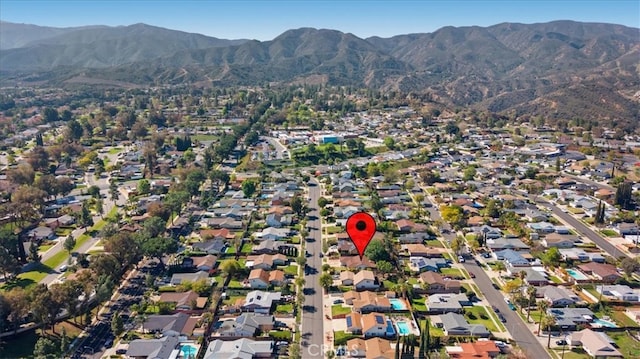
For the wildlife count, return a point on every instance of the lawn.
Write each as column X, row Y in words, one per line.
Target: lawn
column 57, row 259
column 609, row 233
column 44, row 248
column 114, row 150
column 452, row 272
column 479, row 312
column 291, row 269
column 434, row 243
column 235, row 284
column 338, row 309
column 418, row 304
column 341, row 337
column 575, row 353
column 477, row 290
column 622, row 319
column 284, row 308
column 246, row 248
column 433, row 331
column 334, row 229
column 204, row 137
column 280, row 335
column 555, row 279
column 628, row 346
column 493, row 315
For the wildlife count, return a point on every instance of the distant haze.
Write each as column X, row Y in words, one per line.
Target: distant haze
column 264, row 20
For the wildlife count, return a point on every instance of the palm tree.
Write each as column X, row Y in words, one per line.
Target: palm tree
column 549, row 321
column 531, row 296
column 500, row 267
column 542, row 306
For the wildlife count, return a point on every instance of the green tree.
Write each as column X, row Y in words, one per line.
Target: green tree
column 64, row 341
column 552, row 257
column 623, row 196
column 45, row 348
column 326, row 281
column 384, row 267
column 144, row 186
column 452, row 214
column 69, row 243
column 469, row 173
column 629, row 266
column 33, row 252
column 390, row 143
column 377, row 251
column 457, row 244
column 322, row 202
column 248, row 188
column 117, row 324
column 230, row 267
column 297, row 205
column 86, row 220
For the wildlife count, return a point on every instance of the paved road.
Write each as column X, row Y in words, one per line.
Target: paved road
column 281, row 150
column 108, row 204
column 312, row 320
column 516, row 327
column 589, row 182
column 583, row 230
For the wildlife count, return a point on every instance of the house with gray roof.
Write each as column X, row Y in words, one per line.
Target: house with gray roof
column 445, row 303
column 162, row 348
column 511, row 257
column 455, row 324
column 506, row 243
column 557, row 296
column 619, row 292
column 214, row 246
column 246, row 325
column 260, row 302
column 178, row 278
column 568, row 319
column 240, row 349
column 178, row 324
column 421, row 264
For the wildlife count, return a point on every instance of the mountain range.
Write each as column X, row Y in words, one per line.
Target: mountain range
column 560, row 69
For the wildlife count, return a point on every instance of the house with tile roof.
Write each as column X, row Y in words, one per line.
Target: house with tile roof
column 372, row 348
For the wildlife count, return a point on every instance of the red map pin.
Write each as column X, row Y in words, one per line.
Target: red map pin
column 361, row 227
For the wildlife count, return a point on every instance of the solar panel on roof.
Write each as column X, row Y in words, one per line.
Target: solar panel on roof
column 349, row 323
column 379, row 319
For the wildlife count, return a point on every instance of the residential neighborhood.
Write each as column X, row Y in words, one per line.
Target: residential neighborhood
column 229, row 240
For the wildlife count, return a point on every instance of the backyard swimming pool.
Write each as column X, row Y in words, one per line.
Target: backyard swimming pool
column 188, row 350
column 390, row 331
column 604, row 323
column 577, row 274
column 397, row 304
column 403, row 328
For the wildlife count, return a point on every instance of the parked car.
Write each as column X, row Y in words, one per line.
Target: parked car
column 561, row 342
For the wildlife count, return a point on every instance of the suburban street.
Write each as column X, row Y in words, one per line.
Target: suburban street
column 583, row 230
column 516, row 327
column 312, row 315
column 108, row 204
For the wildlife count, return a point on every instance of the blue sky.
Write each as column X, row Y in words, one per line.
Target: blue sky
column 264, row 20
